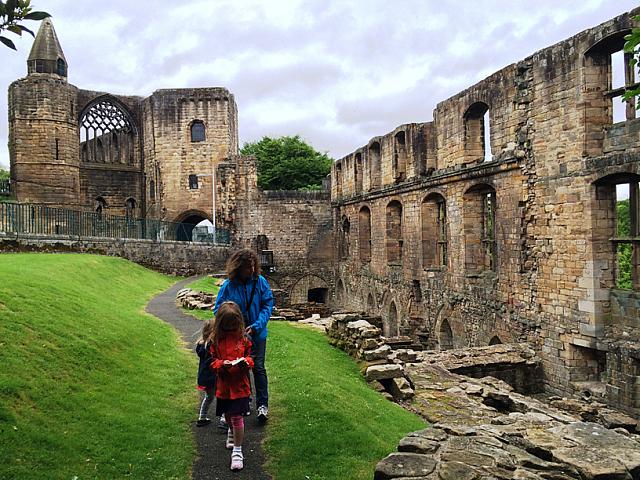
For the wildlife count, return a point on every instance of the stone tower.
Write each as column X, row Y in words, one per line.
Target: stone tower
column 43, row 127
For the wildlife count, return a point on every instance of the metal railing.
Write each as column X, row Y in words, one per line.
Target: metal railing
column 5, row 187
column 43, row 220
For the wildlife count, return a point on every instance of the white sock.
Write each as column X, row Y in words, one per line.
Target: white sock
column 237, row 449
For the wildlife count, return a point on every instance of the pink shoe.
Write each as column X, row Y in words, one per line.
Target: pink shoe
column 229, row 443
column 237, row 461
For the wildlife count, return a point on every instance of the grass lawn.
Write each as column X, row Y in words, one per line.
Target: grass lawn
column 205, row 285
column 90, row 385
column 326, row 422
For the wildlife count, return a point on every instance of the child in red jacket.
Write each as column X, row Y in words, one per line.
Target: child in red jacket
column 230, row 351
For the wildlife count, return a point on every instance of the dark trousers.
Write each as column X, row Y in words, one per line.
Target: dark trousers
column 258, row 352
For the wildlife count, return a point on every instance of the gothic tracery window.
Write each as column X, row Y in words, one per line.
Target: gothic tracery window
column 106, row 134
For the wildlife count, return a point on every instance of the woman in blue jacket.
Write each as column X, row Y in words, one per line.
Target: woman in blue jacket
column 250, row 290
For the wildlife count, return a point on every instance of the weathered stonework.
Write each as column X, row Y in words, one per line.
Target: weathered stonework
column 173, row 258
column 460, row 239
column 89, row 150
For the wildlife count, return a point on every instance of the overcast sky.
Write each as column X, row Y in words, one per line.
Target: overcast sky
column 335, row 72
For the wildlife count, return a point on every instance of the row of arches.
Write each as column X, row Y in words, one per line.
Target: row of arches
column 448, row 332
column 368, row 161
column 478, row 225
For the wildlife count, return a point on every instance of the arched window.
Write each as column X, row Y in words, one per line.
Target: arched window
column 106, row 131
column 364, row 235
column 391, row 329
column 371, row 303
column 197, row 131
column 434, row 231
column 479, row 228
column 338, row 179
column 152, row 191
column 61, row 67
column 99, row 205
column 357, row 171
column 399, row 156
column 495, row 340
column 617, row 212
column 445, row 337
column 394, row 232
column 374, row 166
column 343, row 244
column 608, row 71
column 130, row 208
column 477, row 133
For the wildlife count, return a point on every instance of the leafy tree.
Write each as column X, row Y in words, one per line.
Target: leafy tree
column 12, row 14
column 288, row 163
column 4, row 174
column 632, row 46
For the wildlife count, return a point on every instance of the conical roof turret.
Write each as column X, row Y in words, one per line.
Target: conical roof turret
column 46, row 54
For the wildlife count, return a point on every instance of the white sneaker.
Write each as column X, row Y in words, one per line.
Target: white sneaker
column 263, row 413
column 237, row 461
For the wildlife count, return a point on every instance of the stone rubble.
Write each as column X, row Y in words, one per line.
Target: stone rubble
column 483, row 428
column 194, row 300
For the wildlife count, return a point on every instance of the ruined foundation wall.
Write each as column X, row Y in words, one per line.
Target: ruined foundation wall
column 172, row 258
column 555, row 159
column 295, row 226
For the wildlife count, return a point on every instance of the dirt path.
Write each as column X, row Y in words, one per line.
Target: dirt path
column 212, row 461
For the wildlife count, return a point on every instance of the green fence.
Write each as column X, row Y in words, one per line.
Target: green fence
column 5, row 187
column 42, row 220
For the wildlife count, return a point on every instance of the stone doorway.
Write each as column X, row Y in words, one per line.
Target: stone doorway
column 317, row 295
column 185, row 226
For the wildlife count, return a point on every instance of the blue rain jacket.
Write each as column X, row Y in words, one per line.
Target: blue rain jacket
column 260, row 308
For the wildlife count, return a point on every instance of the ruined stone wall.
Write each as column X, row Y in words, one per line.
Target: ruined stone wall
column 171, row 156
column 114, row 180
column 43, row 141
column 296, row 226
column 555, row 159
column 172, row 258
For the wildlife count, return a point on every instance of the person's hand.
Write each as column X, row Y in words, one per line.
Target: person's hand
column 248, row 330
column 226, row 363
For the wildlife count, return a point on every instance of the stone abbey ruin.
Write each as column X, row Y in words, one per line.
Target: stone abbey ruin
column 495, row 223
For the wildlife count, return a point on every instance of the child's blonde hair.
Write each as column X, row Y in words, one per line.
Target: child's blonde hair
column 207, row 331
column 228, row 320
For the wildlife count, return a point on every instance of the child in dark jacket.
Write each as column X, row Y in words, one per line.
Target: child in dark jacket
column 231, row 353
column 206, row 376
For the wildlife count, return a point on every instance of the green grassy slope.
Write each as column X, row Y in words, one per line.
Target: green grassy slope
column 90, row 386
column 326, row 422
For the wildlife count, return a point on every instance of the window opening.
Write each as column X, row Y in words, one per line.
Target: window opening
column 364, row 234
column 197, row 131
column 193, row 182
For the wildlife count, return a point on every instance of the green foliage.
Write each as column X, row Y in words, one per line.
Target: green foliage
column 326, row 422
column 90, row 385
column 623, row 253
column 288, row 163
column 4, row 174
column 632, row 45
column 12, row 14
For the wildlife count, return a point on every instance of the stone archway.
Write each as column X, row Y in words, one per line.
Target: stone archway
column 450, row 329
column 495, row 340
column 371, row 303
column 186, row 222
column 445, row 336
column 309, row 288
column 390, row 326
